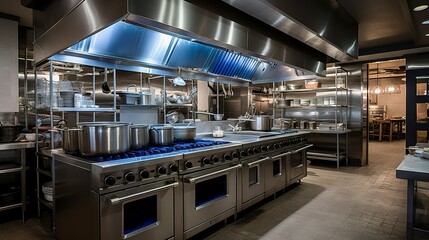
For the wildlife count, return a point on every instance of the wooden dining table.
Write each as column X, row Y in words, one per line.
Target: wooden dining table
column 391, row 125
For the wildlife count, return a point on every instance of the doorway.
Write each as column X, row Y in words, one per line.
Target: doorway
column 387, row 101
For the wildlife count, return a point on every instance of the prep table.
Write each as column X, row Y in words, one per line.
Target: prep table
column 413, row 169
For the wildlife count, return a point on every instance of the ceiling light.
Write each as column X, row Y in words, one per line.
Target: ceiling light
column 425, row 22
column 427, row 34
column 420, row 8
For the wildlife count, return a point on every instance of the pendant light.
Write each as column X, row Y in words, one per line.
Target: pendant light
column 377, row 90
column 392, row 89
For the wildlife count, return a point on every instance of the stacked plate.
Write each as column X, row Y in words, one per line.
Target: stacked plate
column 67, row 97
column 47, row 191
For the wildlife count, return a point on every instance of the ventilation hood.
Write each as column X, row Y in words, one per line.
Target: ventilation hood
column 161, row 36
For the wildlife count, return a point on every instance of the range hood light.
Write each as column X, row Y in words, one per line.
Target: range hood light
column 425, row 22
column 427, row 35
column 420, row 8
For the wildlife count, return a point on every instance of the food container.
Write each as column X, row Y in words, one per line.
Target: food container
column 305, row 102
column 184, row 133
column 282, row 103
column 261, row 123
column 218, row 132
column 9, row 133
column 70, row 139
column 31, row 137
column 129, row 98
column 144, row 98
column 47, row 191
column 103, row 138
column 294, row 86
column 311, row 84
column 303, row 124
column 139, row 136
column 218, row 116
column 282, row 88
column 312, row 125
column 162, row 135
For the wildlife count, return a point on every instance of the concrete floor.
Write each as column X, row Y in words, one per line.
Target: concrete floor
column 350, row 203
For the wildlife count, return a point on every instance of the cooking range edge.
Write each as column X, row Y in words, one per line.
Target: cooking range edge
column 184, row 189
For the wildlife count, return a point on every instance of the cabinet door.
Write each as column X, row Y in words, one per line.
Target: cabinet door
column 9, row 91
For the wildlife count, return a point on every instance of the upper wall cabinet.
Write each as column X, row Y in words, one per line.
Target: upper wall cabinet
column 9, row 87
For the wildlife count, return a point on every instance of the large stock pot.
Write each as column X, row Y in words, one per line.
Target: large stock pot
column 261, row 123
column 103, row 138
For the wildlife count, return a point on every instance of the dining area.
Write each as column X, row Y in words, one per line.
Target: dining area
column 387, row 129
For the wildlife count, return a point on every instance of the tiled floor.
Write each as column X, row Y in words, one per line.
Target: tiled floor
column 350, row 203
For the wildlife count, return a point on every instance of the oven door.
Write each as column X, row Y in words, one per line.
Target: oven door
column 207, row 194
column 143, row 212
column 275, row 177
column 297, row 163
column 253, row 180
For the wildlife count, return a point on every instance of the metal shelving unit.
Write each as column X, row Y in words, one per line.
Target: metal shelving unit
column 332, row 113
column 17, row 168
column 50, row 174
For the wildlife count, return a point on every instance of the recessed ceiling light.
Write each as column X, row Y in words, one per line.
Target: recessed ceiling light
column 420, row 8
column 425, row 22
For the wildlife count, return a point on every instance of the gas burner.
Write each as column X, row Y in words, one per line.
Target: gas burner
column 154, row 150
column 286, row 131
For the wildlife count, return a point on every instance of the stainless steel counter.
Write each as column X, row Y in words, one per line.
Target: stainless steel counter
column 16, row 145
column 414, row 169
column 248, row 136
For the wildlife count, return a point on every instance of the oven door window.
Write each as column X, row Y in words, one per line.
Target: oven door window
column 253, row 175
column 277, row 168
column 296, row 159
column 140, row 214
column 210, row 190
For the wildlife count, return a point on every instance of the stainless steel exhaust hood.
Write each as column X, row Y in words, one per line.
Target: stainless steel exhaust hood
column 160, row 36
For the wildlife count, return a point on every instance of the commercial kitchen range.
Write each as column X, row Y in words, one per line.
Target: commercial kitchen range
column 177, row 191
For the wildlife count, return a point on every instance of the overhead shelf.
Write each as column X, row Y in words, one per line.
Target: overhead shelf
column 324, row 89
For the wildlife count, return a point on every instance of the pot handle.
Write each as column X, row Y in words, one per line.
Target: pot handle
column 151, row 127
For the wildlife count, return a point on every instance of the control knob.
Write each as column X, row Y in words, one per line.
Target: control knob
column 256, row 150
column 243, row 153
column 264, row 149
column 275, row 145
column 269, row 147
column 173, row 167
column 206, row 161
column 215, row 159
column 144, row 173
column 234, row 155
column 250, row 151
column 110, row 180
column 161, row 170
column 227, row 157
column 188, row 164
column 129, row 177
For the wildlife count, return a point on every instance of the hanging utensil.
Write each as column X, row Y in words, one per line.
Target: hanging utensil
column 178, row 81
column 105, row 86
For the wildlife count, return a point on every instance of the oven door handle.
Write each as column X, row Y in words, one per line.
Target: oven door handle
column 193, row 179
column 116, row 200
column 256, row 162
column 282, row 155
column 300, row 149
